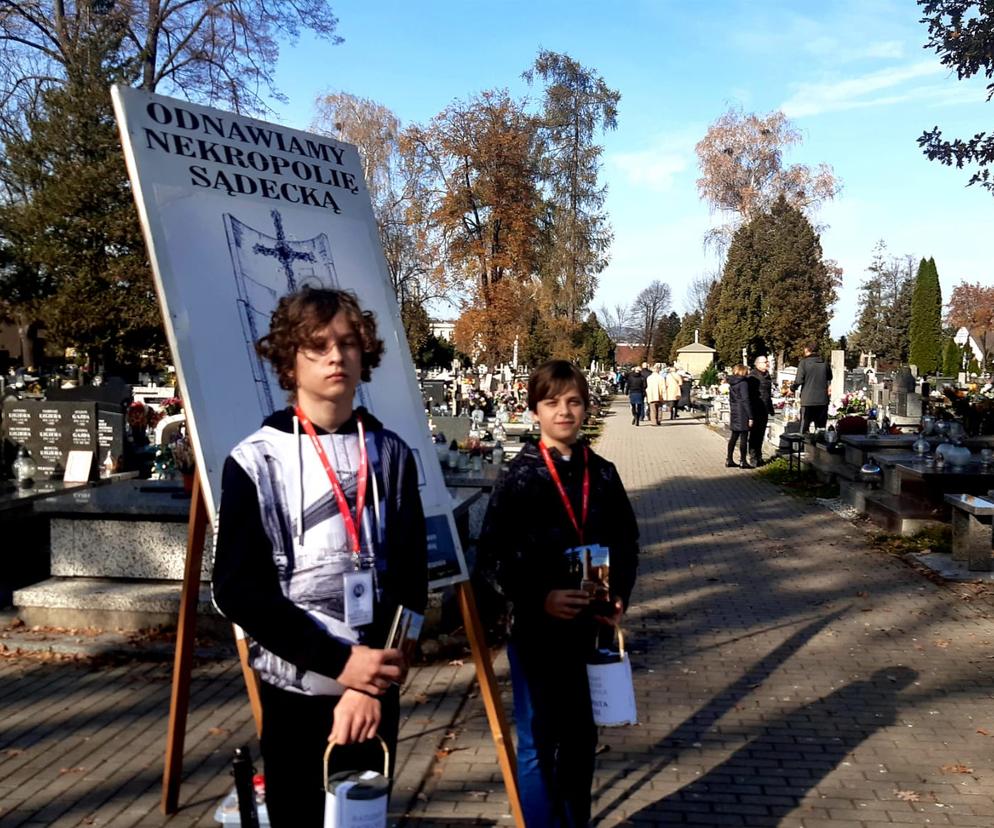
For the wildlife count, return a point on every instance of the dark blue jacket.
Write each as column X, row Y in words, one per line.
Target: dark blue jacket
column 738, row 403
column 526, row 532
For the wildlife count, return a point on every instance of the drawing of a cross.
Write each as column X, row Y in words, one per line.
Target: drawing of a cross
column 282, row 251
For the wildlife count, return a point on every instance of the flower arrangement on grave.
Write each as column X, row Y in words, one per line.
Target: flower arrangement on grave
column 137, row 416
column 853, row 402
column 174, row 457
column 172, row 406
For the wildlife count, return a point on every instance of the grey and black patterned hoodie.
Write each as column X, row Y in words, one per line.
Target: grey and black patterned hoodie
column 282, row 547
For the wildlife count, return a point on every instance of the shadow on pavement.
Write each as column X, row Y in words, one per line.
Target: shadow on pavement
column 792, row 755
column 693, row 728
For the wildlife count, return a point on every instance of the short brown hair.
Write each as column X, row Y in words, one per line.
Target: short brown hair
column 740, row 370
column 301, row 316
column 552, row 378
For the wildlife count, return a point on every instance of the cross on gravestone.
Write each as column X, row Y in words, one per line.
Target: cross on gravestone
column 282, row 251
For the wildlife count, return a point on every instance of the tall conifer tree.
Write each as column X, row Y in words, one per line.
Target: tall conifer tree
column 925, row 333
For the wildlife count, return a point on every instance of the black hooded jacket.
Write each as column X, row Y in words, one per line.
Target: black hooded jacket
column 527, row 531
column 760, row 393
column 279, row 555
column 740, row 410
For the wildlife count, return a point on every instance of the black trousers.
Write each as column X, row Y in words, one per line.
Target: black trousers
column 740, row 437
column 758, row 433
column 295, row 732
column 817, row 414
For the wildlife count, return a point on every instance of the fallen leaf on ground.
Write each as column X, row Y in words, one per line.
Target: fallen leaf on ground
column 908, row 796
column 421, row 698
column 456, row 662
column 218, row 731
column 983, row 732
column 942, row 644
column 957, row 768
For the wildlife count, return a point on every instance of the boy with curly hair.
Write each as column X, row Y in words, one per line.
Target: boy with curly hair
column 321, row 537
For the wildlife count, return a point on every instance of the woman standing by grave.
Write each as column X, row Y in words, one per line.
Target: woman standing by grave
column 558, row 502
column 740, row 412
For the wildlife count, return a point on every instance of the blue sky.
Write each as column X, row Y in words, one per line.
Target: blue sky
column 852, row 76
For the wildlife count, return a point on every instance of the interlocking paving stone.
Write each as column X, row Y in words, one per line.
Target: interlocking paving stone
column 787, row 675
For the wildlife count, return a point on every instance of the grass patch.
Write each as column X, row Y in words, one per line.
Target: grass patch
column 804, row 483
column 932, row 539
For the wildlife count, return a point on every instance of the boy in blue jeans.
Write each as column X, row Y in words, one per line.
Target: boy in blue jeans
column 557, row 498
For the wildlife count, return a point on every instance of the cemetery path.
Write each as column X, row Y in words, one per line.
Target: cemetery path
column 787, row 675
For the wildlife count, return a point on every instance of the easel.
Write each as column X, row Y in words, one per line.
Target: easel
column 179, row 701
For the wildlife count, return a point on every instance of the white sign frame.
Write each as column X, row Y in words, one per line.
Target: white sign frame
column 211, row 188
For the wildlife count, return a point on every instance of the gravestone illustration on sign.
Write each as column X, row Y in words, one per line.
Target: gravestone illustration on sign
column 266, row 268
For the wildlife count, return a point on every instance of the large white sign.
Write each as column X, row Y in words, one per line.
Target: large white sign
column 236, row 213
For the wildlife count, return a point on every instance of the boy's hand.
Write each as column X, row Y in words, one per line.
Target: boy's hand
column 356, row 718
column 615, row 617
column 566, row 604
column 373, row 671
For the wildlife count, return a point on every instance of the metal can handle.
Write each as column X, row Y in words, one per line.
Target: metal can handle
column 332, row 745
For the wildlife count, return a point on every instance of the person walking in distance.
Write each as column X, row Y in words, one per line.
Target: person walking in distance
column 761, row 406
column 814, row 378
column 741, row 416
column 654, row 393
column 636, row 394
column 673, row 383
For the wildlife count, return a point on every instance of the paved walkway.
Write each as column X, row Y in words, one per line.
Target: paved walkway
column 787, row 676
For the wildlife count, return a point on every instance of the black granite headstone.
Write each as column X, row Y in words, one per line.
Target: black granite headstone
column 50, row 429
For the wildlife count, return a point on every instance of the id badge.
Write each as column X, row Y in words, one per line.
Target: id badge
column 358, row 588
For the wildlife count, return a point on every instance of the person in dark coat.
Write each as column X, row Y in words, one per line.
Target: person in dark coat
column 761, row 404
column 814, row 378
column 557, row 501
column 741, row 416
column 636, row 394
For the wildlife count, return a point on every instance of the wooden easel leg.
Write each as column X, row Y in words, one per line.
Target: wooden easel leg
column 499, row 729
column 251, row 678
column 179, row 701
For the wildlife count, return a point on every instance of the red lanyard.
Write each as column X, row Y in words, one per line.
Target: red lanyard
column 551, row 466
column 352, row 526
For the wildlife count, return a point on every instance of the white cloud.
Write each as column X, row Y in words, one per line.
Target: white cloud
column 651, row 169
column 656, row 167
column 858, row 92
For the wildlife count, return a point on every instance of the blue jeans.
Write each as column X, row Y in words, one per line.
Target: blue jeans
column 556, row 738
column 637, row 400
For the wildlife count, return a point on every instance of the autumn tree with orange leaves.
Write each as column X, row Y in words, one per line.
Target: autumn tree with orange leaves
column 477, row 193
column 971, row 306
column 743, row 171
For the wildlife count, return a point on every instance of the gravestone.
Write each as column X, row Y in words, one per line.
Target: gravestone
column 908, row 403
column 838, row 376
column 50, row 429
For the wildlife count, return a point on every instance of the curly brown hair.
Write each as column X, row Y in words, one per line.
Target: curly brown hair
column 297, row 322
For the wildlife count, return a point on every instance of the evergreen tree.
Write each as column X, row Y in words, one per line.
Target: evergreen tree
column 776, row 289
column 952, row 356
column 738, row 313
column 691, row 322
column 885, row 307
column 925, row 332
column 666, row 333
column 73, row 226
